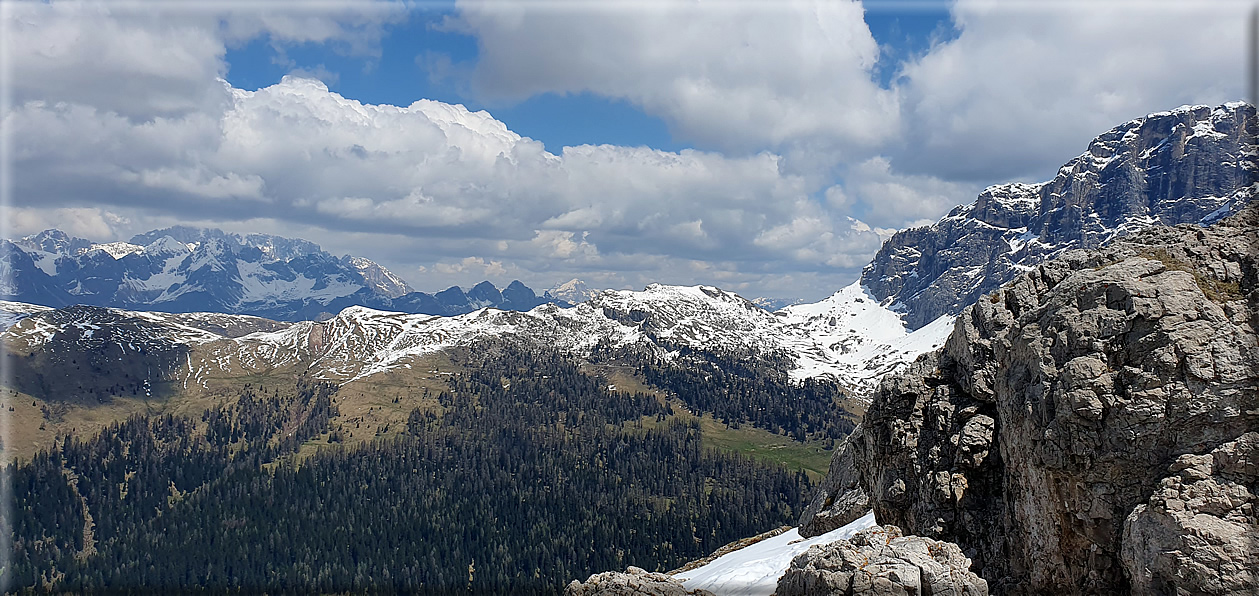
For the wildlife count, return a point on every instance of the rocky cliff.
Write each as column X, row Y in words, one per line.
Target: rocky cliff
column 1194, row 164
column 1089, row 427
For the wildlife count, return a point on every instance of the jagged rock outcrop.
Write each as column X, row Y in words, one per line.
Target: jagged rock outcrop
column 839, row 500
column 926, row 454
column 1199, row 531
column 633, row 582
column 1070, row 413
column 882, row 561
column 1194, row 164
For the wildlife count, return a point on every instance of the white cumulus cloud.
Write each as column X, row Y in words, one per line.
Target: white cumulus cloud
column 1026, row 85
column 120, row 120
column 734, row 76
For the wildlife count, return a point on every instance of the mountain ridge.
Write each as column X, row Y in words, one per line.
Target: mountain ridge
column 1193, row 164
column 186, row 269
column 361, row 341
column 856, row 336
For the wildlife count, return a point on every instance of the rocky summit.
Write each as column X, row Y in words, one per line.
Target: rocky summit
column 1090, row 427
column 1194, row 164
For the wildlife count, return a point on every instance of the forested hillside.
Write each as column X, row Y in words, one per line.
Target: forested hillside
column 525, row 473
column 751, row 389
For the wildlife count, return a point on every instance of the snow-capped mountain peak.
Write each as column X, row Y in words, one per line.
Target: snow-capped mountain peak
column 572, row 291
column 56, row 242
column 847, row 319
column 379, row 278
column 1193, row 164
column 117, row 250
column 185, row 269
column 167, row 247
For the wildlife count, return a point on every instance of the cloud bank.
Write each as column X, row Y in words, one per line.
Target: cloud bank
column 120, row 119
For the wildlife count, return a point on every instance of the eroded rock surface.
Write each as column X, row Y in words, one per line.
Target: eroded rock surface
column 1060, row 403
column 840, row 499
column 884, row 562
column 1199, row 532
column 633, row 582
column 1194, row 164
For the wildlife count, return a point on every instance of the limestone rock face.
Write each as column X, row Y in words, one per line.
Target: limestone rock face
column 1090, row 385
column 840, row 499
column 1199, row 531
column 881, row 561
column 1194, row 164
column 633, row 582
column 929, row 459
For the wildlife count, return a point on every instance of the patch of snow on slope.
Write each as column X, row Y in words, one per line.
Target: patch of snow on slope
column 211, row 255
column 1206, row 128
column 754, row 570
column 162, row 281
column 46, row 261
column 853, row 338
column 117, row 250
column 1017, row 242
column 260, row 284
column 12, row 312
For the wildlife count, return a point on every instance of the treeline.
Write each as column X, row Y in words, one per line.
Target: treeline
column 135, row 471
column 749, row 389
column 526, row 473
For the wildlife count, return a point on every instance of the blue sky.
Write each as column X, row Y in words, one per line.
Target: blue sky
column 763, row 147
column 402, row 73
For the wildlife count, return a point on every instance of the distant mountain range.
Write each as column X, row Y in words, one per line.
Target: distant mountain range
column 848, row 337
column 183, row 269
column 1190, row 165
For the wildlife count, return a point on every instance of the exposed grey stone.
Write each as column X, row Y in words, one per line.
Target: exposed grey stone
column 1199, row 532
column 881, row 561
column 1190, row 165
column 839, row 500
column 633, row 582
column 1059, row 405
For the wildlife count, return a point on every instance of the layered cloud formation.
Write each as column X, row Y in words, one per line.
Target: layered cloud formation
column 119, row 120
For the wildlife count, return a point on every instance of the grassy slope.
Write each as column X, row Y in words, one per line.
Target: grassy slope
column 764, row 445
column 368, row 410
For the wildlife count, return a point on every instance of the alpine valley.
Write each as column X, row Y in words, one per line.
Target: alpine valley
column 193, row 387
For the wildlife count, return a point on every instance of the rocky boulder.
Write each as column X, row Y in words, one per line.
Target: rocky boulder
column 881, row 561
column 633, row 582
column 1041, row 437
